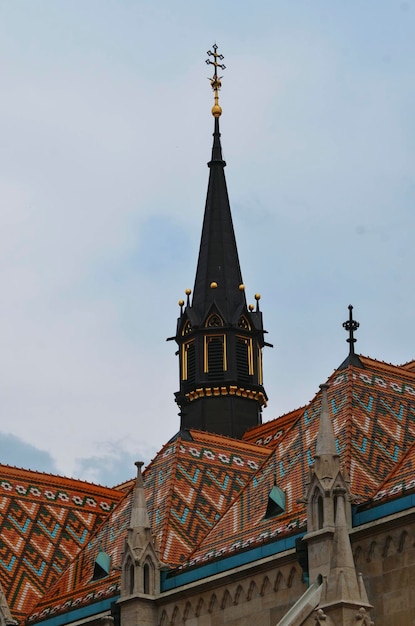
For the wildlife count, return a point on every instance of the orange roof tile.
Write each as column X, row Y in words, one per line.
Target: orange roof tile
column 268, row 433
column 206, row 494
column 401, row 481
column 191, row 483
column 44, row 522
column 188, row 485
column 374, row 425
column 76, row 588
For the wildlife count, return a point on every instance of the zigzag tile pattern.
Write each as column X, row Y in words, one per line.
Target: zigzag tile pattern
column 206, row 496
column 382, row 423
column 45, row 521
column 75, row 588
column 190, row 486
column 184, row 500
column 401, row 481
column 372, row 413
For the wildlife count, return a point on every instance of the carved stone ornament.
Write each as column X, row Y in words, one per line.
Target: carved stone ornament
column 363, row 618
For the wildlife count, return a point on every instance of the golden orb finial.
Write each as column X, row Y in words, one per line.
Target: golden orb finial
column 241, row 287
column 257, row 296
column 215, row 81
column 180, row 302
column 188, row 292
column 216, row 110
column 251, row 307
column 213, row 285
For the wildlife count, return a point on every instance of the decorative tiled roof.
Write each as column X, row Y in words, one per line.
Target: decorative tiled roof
column 190, row 485
column 206, row 494
column 76, row 587
column 401, row 481
column 373, row 415
column 45, row 521
column 269, row 433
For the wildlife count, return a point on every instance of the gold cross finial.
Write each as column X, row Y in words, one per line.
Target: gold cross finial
column 215, row 81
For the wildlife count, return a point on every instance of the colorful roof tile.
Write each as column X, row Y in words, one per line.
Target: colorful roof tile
column 191, row 484
column 373, row 413
column 206, row 494
column 401, row 481
column 188, row 486
column 45, row 521
column 76, row 587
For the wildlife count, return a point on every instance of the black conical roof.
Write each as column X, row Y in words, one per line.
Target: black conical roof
column 218, row 255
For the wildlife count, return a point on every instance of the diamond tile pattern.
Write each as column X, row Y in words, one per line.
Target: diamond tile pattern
column 191, row 484
column 206, row 494
column 44, row 522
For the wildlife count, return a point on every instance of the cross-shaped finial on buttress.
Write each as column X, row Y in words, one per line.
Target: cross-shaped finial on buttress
column 351, row 326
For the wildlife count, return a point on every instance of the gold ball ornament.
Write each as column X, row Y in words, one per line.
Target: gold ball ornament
column 216, row 110
column 213, row 285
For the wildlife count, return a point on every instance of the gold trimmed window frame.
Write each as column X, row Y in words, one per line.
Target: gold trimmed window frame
column 185, row 361
column 248, row 342
column 207, row 340
column 260, row 374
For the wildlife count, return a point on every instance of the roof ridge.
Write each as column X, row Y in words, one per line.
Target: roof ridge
column 395, row 468
column 262, row 426
column 19, row 472
column 173, row 464
column 385, row 365
column 406, row 363
column 348, row 437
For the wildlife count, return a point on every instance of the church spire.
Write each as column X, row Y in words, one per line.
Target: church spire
column 218, row 274
column 220, row 338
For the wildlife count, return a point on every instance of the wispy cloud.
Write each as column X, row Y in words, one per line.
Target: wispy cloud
column 106, row 132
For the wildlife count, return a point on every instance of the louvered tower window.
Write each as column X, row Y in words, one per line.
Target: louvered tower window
column 215, row 364
column 242, row 359
column 189, row 362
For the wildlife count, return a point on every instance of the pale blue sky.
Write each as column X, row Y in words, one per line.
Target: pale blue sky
column 106, row 129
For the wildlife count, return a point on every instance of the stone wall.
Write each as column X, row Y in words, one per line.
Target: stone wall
column 260, row 595
column 385, row 554
column 258, row 599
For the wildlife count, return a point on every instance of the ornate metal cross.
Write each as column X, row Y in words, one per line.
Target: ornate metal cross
column 351, row 326
column 215, row 80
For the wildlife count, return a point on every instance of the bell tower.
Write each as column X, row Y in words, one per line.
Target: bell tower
column 220, row 337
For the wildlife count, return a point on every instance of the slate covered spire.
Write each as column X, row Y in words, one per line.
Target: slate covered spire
column 218, row 254
column 220, row 338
